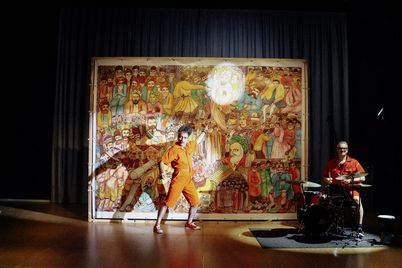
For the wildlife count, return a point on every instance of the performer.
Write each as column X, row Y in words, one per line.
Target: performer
column 179, row 156
column 337, row 171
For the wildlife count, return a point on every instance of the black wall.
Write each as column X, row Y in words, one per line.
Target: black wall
column 31, row 48
column 375, row 71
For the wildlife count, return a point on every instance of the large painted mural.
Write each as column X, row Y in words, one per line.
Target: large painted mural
column 250, row 161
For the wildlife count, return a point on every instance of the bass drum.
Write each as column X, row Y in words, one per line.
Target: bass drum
column 312, row 197
column 316, row 220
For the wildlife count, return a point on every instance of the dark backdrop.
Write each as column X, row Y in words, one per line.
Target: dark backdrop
column 375, row 71
column 320, row 38
column 373, row 51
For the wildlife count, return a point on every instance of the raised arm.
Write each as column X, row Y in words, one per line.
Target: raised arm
column 202, row 135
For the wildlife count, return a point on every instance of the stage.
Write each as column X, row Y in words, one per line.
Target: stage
column 50, row 235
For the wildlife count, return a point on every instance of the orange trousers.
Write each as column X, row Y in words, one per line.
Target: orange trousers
column 182, row 184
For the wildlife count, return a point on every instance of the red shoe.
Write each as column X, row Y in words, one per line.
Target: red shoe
column 192, row 226
column 158, row 230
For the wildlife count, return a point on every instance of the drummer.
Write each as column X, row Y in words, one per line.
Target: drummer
column 340, row 171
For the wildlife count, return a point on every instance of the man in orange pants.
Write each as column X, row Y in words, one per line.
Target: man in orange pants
column 179, row 156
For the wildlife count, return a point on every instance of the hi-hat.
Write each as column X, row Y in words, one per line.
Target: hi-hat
column 305, row 183
column 310, row 184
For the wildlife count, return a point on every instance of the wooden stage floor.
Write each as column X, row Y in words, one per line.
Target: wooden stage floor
column 51, row 235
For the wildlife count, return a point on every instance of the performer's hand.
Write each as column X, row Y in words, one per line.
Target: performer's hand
column 328, row 180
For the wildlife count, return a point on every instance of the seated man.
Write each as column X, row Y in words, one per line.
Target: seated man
column 338, row 170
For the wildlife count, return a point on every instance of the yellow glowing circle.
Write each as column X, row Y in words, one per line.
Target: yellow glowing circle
column 225, row 83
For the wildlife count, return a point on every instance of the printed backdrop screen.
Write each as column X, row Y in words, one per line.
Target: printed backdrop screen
column 250, row 162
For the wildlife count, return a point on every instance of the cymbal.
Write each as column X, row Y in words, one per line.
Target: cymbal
column 341, row 178
column 361, row 185
column 357, row 174
column 351, row 176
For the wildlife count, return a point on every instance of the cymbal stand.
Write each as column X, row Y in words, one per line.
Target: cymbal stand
column 301, row 209
column 354, row 234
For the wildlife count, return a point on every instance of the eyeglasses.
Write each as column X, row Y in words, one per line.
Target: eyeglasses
column 342, row 148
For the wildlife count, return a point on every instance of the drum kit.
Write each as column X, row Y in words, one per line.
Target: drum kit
column 326, row 212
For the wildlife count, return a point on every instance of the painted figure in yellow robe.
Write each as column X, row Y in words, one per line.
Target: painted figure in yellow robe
column 186, row 103
column 274, row 96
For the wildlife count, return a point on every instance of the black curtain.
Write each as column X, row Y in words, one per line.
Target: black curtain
column 375, row 41
column 321, row 38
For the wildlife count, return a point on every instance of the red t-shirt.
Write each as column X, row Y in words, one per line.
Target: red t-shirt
column 334, row 169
